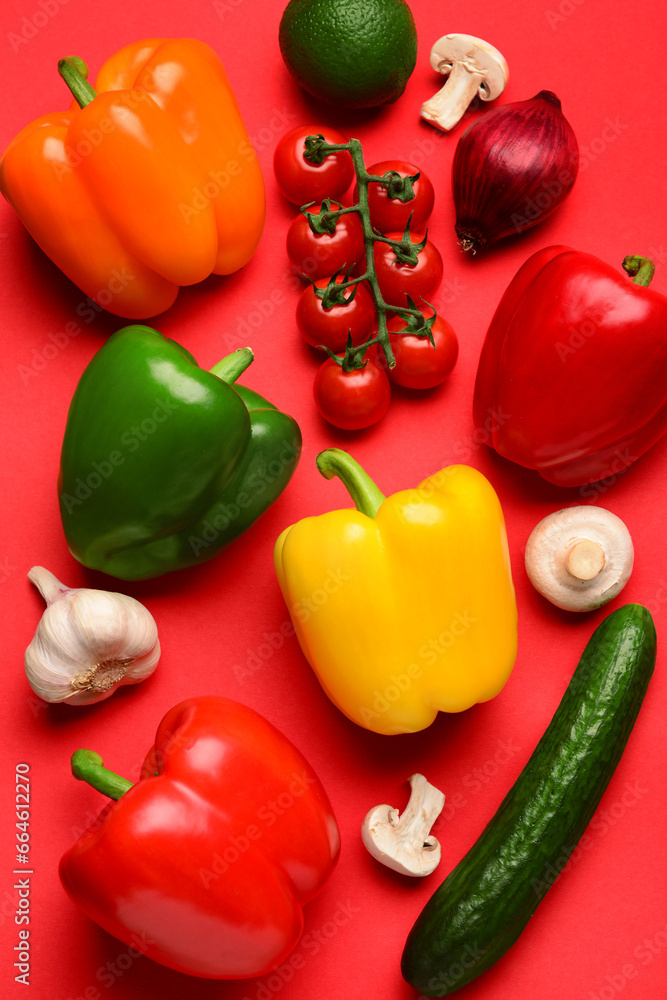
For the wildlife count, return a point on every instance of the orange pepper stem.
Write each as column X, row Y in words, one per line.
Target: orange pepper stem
column 336, row 462
column 74, row 72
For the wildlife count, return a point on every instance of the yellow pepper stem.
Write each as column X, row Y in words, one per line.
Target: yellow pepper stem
column 336, row 462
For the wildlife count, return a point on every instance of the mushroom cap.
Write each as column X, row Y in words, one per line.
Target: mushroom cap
column 579, row 558
column 477, row 56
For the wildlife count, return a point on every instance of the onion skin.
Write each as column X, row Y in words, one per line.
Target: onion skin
column 512, row 168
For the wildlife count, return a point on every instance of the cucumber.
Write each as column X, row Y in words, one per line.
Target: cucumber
column 484, row 904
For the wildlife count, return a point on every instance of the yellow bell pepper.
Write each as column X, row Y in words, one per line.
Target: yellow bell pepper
column 405, row 606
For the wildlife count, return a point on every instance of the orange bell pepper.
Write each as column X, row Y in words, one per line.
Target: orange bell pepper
column 148, row 182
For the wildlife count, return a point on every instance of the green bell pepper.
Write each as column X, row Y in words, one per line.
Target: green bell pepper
column 163, row 463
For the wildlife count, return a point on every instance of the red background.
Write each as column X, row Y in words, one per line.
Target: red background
column 602, row 929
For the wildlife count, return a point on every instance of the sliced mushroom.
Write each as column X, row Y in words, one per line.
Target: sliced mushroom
column 403, row 843
column 579, row 558
column 472, row 67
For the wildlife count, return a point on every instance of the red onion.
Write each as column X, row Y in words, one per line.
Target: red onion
column 512, row 168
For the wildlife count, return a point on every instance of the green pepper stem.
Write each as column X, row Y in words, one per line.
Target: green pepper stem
column 89, row 766
column 233, row 365
column 641, row 268
column 74, row 72
column 336, row 462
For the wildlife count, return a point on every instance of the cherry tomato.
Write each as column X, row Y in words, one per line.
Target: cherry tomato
column 352, row 400
column 318, row 255
column 397, row 280
column 419, row 365
column 329, row 327
column 301, row 181
column 390, row 214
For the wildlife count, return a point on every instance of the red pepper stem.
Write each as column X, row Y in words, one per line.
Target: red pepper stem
column 336, row 462
column 641, row 268
column 74, row 72
column 88, row 766
column 231, row 367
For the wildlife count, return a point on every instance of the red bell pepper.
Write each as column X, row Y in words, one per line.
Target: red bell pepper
column 572, row 374
column 205, row 864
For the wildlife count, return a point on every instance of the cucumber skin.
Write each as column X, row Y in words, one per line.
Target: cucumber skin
column 484, row 904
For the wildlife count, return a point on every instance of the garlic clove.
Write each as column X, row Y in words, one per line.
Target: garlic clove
column 88, row 642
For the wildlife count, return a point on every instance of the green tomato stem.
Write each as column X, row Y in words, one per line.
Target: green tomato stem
column 363, row 177
column 353, row 355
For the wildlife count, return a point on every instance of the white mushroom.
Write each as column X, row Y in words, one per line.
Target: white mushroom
column 471, row 66
column 403, row 843
column 579, row 558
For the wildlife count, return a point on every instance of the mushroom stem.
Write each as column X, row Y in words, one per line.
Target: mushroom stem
column 423, row 808
column 447, row 107
column 404, row 843
column 579, row 558
column 584, row 559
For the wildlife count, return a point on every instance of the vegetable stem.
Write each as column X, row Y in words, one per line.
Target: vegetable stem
column 88, row 766
column 315, row 152
column 74, row 72
column 233, row 366
column 641, row 269
column 336, row 462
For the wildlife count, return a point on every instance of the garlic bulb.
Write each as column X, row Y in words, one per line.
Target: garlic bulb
column 88, row 643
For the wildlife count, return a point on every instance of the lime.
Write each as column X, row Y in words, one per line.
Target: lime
column 353, row 53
